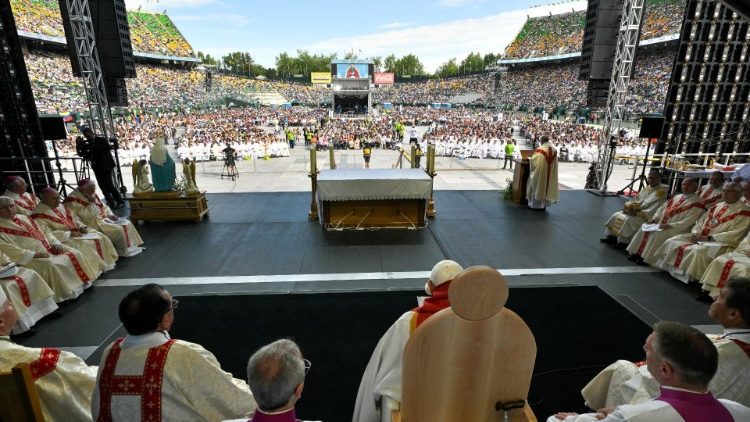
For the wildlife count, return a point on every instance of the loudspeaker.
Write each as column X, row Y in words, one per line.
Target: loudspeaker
column 53, row 128
column 117, row 92
column 76, row 67
column 110, row 20
column 651, row 126
column 600, row 39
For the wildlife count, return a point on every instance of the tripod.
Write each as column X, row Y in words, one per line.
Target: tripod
column 230, row 169
column 642, row 177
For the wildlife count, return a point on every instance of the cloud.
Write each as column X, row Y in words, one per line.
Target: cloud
column 458, row 3
column 434, row 44
column 394, row 25
column 161, row 5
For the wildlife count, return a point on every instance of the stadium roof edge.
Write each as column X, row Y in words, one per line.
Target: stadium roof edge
column 652, row 41
column 61, row 41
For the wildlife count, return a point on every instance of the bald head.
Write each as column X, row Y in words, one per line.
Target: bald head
column 50, row 197
column 17, row 185
column 689, row 186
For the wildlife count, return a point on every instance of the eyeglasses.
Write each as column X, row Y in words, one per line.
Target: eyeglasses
column 308, row 365
column 173, row 305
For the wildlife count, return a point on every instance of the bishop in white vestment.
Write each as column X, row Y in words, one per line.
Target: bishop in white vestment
column 25, row 201
column 622, row 226
column 710, row 193
column 64, row 269
column 148, row 376
column 64, row 382
column 30, row 295
column 542, row 189
column 68, row 229
column 381, row 383
column 86, row 205
column 674, row 217
column 721, row 228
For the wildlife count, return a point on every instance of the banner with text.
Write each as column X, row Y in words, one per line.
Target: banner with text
column 384, row 78
column 320, row 77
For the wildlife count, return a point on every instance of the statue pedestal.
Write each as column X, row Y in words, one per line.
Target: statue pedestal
column 167, row 206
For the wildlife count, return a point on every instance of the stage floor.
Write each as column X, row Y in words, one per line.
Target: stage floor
column 261, row 243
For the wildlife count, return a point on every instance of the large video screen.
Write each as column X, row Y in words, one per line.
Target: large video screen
column 352, row 70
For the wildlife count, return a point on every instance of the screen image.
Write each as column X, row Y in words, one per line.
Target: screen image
column 352, row 70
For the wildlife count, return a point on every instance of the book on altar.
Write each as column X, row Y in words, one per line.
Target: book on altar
column 650, row 227
column 8, row 270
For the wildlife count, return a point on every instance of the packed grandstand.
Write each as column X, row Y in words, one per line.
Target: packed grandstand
column 169, row 89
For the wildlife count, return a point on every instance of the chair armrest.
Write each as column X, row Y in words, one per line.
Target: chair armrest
column 388, row 409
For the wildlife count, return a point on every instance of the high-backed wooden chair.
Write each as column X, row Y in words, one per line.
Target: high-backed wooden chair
column 19, row 401
column 469, row 361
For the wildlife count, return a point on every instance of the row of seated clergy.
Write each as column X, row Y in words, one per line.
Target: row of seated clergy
column 66, row 270
column 626, row 382
column 380, row 388
column 682, row 362
column 28, row 292
column 189, row 382
column 84, row 203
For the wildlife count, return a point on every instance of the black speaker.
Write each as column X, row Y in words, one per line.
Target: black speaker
column 117, row 92
column 651, row 126
column 110, row 19
column 600, row 39
column 53, row 128
column 76, row 67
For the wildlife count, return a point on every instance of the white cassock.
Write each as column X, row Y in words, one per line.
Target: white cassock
column 152, row 377
column 542, row 188
column 64, row 382
column 734, row 264
column 725, row 224
column 681, row 212
column 60, row 221
column 67, row 273
column 710, row 195
column 624, row 382
column 30, row 295
column 94, row 214
column 647, row 202
column 25, row 203
column 382, row 377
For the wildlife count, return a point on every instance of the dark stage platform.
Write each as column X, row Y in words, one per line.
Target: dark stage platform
column 263, row 243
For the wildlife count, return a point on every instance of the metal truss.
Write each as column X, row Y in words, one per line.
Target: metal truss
column 627, row 42
column 91, row 71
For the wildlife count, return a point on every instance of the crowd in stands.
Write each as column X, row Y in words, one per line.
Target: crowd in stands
column 153, row 33
column 562, row 34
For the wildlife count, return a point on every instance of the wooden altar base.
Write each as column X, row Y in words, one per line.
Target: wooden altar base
column 392, row 214
column 168, row 207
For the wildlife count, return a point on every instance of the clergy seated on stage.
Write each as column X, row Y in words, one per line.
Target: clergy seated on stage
column 622, row 226
column 682, row 360
column 710, row 193
column 30, row 295
column 276, row 374
column 542, row 189
column 190, row 384
column 734, row 264
column 69, row 229
column 64, row 269
column 64, row 382
column 626, row 382
column 86, row 205
column 16, row 190
column 686, row 256
column 380, row 387
column 676, row 216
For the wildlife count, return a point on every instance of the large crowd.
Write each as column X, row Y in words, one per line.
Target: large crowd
column 561, row 34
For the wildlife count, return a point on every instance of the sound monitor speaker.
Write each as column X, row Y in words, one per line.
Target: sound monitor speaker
column 53, row 128
column 651, row 126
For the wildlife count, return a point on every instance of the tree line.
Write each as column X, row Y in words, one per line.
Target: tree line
column 303, row 63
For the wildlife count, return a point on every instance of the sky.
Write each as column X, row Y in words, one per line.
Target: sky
column 434, row 30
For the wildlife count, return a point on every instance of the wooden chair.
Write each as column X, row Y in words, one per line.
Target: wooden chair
column 470, row 361
column 19, row 401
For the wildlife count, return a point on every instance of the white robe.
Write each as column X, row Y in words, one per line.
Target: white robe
column 734, row 264
column 624, row 226
column 30, row 295
column 542, row 189
column 726, row 224
column 710, row 195
column 61, row 221
column 94, row 214
column 193, row 385
column 382, row 377
column 624, row 382
column 64, row 382
column 25, row 203
column 681, row 212
column 67, row 274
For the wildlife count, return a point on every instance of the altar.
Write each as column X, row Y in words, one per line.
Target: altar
column 373, row 198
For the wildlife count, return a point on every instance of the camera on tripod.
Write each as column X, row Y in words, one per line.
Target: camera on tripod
column 84, row 148
column 229, row 157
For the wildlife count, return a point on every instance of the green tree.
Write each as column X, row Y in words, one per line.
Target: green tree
column 490, row 59
column 378, row 62
column 390, row 63
column 239, row 63
column 409, row 65
column 447, row 69
column 207, row 59
column 473, row 63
